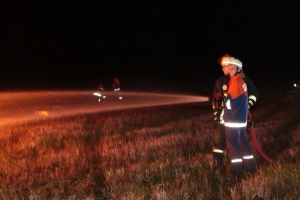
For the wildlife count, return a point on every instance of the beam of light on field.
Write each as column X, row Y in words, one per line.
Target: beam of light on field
column 25, row 106
column 42, row 112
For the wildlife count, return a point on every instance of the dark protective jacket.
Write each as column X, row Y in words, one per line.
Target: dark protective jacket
column 221, row 87
column 252, row 90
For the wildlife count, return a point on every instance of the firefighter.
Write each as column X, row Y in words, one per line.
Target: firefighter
column 220, row 88
column 235, row 120
column 100, row 87
column 116, row 84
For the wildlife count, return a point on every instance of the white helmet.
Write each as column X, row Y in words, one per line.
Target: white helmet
column 236, row 62
column 225, row 60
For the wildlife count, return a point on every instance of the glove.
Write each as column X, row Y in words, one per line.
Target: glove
column 249, row 124
column 251, row 103
column 218, row 115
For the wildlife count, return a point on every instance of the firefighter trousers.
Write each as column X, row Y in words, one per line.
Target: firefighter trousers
column 240, row 151
column 219, row 142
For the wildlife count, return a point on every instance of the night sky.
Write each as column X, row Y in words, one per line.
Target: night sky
column 68, row 45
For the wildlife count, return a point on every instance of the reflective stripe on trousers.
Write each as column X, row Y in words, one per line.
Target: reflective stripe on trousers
column 248, row 157
column 236, row 160
column 218, row 151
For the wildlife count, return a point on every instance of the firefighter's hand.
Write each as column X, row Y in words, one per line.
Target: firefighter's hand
column 218, row 115
column 250, row 124
column 251, row 103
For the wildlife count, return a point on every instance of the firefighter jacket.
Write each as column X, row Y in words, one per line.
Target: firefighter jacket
column 221, row 87
column 236, row 103
column 252, row 90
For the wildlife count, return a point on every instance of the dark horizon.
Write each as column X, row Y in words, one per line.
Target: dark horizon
column 61, row 45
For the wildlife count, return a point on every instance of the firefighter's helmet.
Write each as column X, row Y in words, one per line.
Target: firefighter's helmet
column 236, row 62
column 225, row 60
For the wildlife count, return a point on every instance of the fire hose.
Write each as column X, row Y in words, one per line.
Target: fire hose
column 255, row 143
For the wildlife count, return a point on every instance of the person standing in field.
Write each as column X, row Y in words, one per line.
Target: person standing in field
column 220, row 89
column 116, row 84
column 235, row 120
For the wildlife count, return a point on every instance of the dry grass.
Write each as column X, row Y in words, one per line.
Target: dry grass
column 149, row 153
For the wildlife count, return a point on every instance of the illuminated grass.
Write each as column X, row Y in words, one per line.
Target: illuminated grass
column 149, row 153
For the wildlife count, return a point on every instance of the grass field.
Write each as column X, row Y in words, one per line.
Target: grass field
column 147, row 153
